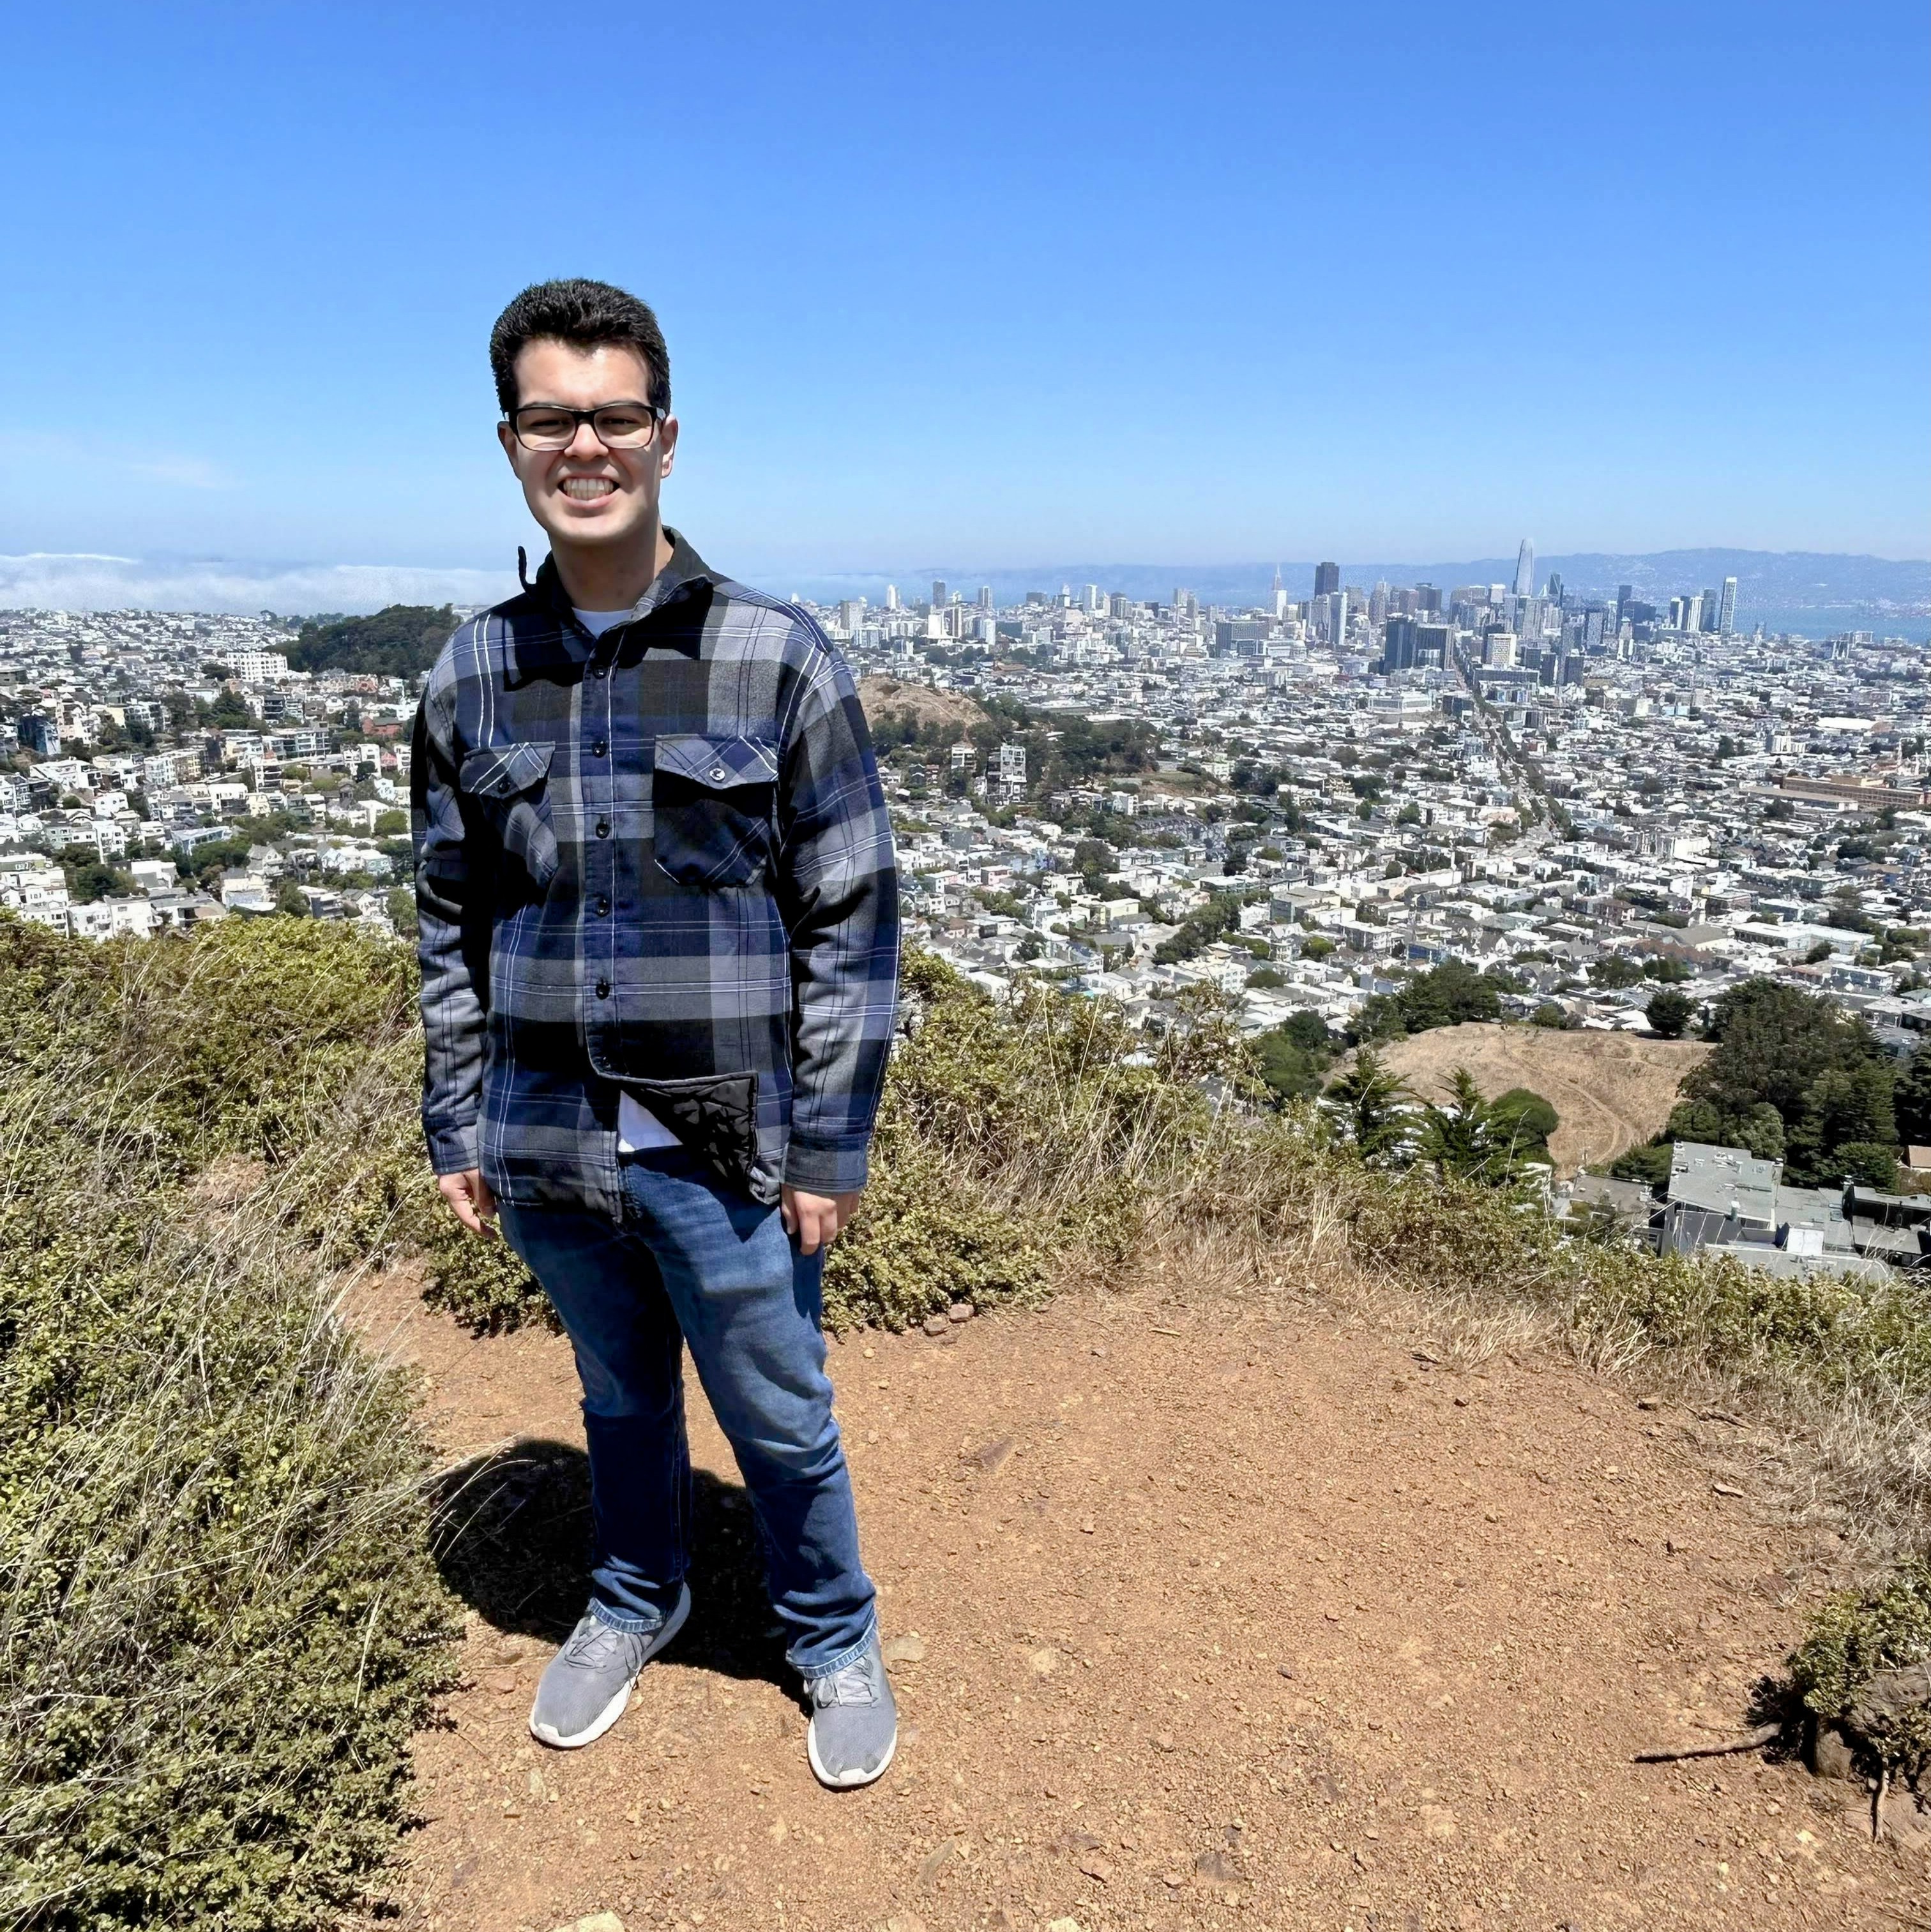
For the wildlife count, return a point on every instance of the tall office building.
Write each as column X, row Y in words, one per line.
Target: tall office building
column 1726, row 614
column 1338, row 618
column 1554, row 592
column 1428, row 599
column 938, row 593
column 1625, row 595
column 1711, row 614
column 1525, row 569
column 985, row 597
column 1277, row 601
column 891, row 597
column 1327, row 579
column 1377, row 604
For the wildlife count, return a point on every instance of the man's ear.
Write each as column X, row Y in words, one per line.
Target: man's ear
column 667, row 445
column 506, row 436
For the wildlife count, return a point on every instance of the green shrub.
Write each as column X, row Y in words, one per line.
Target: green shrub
column 220, row 1620
column 1853, row 1637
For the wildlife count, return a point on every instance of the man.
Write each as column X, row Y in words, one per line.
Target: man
column 659, row 943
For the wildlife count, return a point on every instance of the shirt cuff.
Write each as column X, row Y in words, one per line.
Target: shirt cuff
column 825, row 1170
column 453, row 1150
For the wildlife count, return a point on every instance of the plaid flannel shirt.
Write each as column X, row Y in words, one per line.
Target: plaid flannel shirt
column 658, row 861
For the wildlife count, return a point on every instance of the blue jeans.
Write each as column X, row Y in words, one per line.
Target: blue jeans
column 696, row 1262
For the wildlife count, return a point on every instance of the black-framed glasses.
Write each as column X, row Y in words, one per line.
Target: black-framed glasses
column 616, row 425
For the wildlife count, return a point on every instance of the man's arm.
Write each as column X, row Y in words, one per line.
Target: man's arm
column 453, row 1004
column 838, row 888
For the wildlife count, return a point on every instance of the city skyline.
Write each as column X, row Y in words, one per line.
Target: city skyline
column 1085, row 284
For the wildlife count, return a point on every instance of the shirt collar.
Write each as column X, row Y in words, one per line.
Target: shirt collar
column 562, row 642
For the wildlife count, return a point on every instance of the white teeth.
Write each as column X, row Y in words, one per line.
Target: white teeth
column 585, row 489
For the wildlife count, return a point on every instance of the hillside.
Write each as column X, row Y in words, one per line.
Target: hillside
column 888, row 697
column 400, row 641
column 1257, row 1524
column 1613, row 1090
column 1200, row 1599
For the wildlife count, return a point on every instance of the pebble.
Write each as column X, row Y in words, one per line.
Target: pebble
column 598, row 1921
column 907, row 1648
column 960, row 1311
column 936, row 1325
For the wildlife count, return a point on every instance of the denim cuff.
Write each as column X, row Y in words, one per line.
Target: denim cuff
column 837, row 1663
column 617, row 1620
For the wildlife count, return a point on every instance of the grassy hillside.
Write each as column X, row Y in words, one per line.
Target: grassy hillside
column 1613, row 1090
column 222, row 1617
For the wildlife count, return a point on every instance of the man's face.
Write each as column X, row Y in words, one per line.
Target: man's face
column 587, row 494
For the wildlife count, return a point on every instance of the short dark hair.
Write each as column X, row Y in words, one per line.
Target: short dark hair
column 584, row 314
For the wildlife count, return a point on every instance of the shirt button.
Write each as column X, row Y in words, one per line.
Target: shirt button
column 602, row 906
column 603, row 828
column 596, row 670
column 603, row 989
column 717, row 773
column 599, row 748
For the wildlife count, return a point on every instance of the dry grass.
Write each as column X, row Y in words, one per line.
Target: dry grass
column 1613, row 1090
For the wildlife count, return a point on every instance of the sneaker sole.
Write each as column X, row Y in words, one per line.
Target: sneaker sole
column 615, row 1708
column 852, row 1780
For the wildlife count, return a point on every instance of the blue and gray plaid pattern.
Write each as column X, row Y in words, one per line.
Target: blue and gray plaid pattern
column 657, row 861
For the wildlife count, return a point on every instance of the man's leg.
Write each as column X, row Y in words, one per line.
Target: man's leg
column 748, row 1306
column 604, row 1283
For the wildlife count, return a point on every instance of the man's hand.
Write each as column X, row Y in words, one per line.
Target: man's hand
column 468, row 1193
column 813, row 1220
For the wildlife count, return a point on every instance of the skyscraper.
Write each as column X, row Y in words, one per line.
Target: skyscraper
column 985, row 597
column 891, row 597
column 1726, row 615
column 1525, row 569
column 1327, row 579
column 1277, row 602
column 938, row 593
column 1625, row 595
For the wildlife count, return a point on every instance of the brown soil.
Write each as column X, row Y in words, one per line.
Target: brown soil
column 882, row 696
column 1218, row 1609
column 1612, row 1090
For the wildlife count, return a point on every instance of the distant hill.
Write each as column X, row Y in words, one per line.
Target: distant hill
column 887, row 697
column 401, row 640
column 1612, row 1091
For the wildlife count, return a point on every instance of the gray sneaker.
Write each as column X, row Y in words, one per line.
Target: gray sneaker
column 855, row 1723
column 588, row 1683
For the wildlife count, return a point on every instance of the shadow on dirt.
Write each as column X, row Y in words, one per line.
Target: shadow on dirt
column 513, row 1541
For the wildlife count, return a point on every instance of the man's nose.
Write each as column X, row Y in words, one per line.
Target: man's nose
column 586, row 443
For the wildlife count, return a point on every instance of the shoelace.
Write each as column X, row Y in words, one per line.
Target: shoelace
column 851, row 1685
column 593, row 1644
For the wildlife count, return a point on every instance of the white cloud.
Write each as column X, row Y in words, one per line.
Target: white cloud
column 79, row 581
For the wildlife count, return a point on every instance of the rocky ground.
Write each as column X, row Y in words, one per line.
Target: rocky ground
column 1203, row 1613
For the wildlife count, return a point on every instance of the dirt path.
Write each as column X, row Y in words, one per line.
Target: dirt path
column 1217, row 1613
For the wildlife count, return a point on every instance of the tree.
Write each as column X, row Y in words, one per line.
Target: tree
column 1669, row 1013
column 1528, row 1119
column 1911, row 1098
column 402, row 904
column 1366, row 1104
column 1614, row 971
column 1466, row 1140
column 1772, row 1042
column 1869, row 1164
column 1548, row 1014
column 1648, row 1165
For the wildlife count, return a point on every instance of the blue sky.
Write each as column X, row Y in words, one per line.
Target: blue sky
column 995, row 285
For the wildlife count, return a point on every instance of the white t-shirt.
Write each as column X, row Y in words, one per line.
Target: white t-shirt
column 638, row 1129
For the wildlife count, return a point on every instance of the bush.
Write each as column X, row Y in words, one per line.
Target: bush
column 1852, row 1638
column 222, row 1624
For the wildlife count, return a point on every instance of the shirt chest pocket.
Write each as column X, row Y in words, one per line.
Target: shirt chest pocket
column 713, row 804
column 510, row 786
